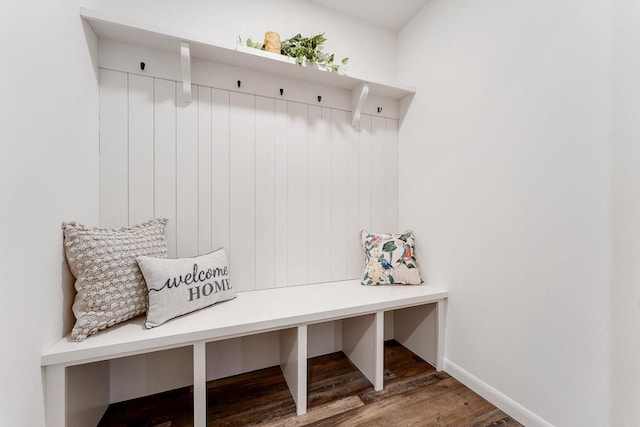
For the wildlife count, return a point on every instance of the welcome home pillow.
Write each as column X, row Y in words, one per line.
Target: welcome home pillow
column 389, row 259
column 109, row 285
column 180, row 286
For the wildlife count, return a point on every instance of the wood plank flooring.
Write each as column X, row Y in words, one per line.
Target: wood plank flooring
column 339, row 395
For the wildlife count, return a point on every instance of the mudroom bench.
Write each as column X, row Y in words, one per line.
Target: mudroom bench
column 419, row 313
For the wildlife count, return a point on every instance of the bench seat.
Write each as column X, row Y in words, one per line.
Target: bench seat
column 289, row 310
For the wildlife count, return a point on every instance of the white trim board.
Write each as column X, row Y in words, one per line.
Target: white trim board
column 121, row 56
column 502, row 401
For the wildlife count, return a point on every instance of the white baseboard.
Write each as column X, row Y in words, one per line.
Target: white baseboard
column 506, row 404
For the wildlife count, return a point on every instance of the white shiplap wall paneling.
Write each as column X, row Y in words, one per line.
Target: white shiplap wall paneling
column 187, row 178
column 314, row 194
column 114, row 150
column 339, row 140
column 220, row 149
column 391, row 166
column 281, row 194
column 165, row 158
column 326, row 232
column 284, row 186
column 141, row 128
column 365, row 197
column 365, row 171
column 378, row 175
column 297, row 176
column 353, row 252
column 205, row 168
column 242, row 206
column 265, row 193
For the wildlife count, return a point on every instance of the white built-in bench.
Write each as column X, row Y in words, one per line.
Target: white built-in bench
column 419, row 313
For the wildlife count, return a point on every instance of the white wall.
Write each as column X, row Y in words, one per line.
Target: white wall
column 505, row 179
column 626, row 214
column 370, row 49
column 504, row 176
column 48, row 174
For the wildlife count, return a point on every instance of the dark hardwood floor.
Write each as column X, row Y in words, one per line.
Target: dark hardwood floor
column 339, row 395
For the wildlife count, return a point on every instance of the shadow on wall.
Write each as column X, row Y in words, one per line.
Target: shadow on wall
column 405, row 104
column 92, row 43
column 67, row 282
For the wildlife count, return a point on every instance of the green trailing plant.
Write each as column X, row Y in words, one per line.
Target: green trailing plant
column 303, row 49
column 310, row 49
column 251, row 43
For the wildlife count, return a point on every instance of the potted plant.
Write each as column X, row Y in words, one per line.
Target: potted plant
column 306, row 51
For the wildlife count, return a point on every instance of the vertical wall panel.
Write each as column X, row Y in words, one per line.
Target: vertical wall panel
column 242, row 191
column 141, row 176
column 281, row 188
column 165, row 158
column 378, row 176
column 114, row 152
column 297, row 193
column 327, row 176
column 285, row 187
column 391, row 146
column 353, row 252
column 204, row 170
column 265, row 193
column 220, row 168
column 339, row 125
column 365, row 211
column 187, row 177
column 314, row 194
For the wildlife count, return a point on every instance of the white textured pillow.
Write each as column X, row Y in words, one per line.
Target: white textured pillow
column 110, row 288
column 180, row 286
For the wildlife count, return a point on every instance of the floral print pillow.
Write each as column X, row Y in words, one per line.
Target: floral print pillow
column 389, row 259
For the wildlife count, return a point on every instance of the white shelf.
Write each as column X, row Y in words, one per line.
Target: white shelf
column 126, row 30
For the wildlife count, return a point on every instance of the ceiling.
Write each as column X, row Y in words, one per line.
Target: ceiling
column 384, row 13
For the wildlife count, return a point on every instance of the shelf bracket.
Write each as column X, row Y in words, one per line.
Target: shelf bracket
column 185, row 60
column 358, row 97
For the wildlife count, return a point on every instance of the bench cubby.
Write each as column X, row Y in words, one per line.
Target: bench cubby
column 418, row 317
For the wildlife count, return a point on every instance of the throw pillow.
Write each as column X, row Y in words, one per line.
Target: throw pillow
column 389, row 259
column 180, row 286
column 109, row 285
